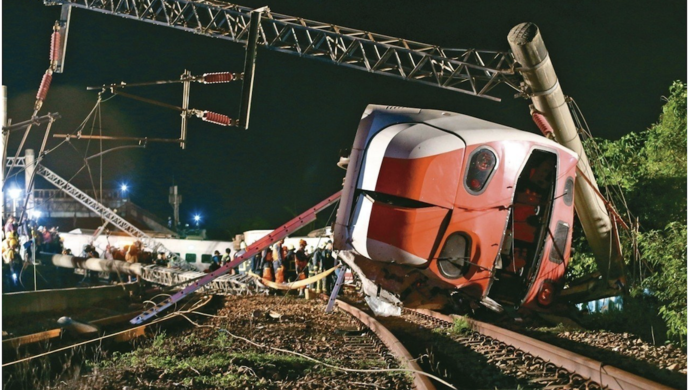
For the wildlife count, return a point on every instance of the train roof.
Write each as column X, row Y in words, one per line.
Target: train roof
column 472, row 130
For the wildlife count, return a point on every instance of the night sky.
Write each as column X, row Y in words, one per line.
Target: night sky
column 616, row 58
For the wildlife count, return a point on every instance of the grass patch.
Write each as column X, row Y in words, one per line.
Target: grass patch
column 212, row 362
column 460, row 326
column 557, row 329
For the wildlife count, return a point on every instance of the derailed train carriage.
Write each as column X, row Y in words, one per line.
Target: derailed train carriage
column 440, row 207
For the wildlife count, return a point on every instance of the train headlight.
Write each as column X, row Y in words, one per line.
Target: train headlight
column 481, row 167
column 546, row 294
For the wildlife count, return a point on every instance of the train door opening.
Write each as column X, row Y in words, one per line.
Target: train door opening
column 526, row 232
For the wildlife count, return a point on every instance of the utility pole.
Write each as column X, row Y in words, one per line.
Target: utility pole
column 544, row 89
column 3, row 147
column 175, row 199
column 30, row 167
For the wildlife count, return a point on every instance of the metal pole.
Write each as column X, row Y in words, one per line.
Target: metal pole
column 249, row 67
column 65, row 16
column 185, row 106
column 3, row 140
column 33, row 259
column 29, row 169
column 546, row 94
column 336, row 290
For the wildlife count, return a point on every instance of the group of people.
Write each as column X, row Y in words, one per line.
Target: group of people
column 282, row 263
column 20, row 240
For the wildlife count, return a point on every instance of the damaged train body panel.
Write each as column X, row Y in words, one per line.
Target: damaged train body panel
column 437, row 202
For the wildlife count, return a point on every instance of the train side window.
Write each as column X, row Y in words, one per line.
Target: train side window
column 190, row 257
column 557, row 252
column 568, row 196
column 481, row 167
column 206, row 259
column 454, row 257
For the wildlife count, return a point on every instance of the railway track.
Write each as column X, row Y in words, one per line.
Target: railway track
column 438, row 350
column 504, row 359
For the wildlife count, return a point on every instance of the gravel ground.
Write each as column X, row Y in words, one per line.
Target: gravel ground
column 210, row 357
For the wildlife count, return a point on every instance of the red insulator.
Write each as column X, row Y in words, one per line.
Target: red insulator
column 218, row 119
column 216, row 78
column 55, row 46
column 543, row 125
column 45, row 85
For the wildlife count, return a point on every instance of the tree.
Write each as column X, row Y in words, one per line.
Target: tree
column 650, row 169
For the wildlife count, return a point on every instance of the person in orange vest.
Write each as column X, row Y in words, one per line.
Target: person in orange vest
column 301, row 260
column 278, row 266
column 268, row 265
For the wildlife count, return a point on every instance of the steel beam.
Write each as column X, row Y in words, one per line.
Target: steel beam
column 274, row 236
column 475, row 72
column 249, row 68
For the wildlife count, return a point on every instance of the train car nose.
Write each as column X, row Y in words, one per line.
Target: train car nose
column 407, row 188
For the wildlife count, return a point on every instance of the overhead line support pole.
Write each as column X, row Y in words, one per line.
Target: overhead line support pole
column 65, row 16
column 546, row 94
column 249, row 68
column 185, row 105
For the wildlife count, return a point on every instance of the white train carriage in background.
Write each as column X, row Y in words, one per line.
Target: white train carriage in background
column 196, row 252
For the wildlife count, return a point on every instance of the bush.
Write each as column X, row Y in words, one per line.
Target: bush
column 650, row 169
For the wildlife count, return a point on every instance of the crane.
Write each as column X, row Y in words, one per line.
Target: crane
column 527, row 68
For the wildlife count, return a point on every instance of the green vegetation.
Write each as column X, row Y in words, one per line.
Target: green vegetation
column 222, row 368
column 220, row 362
column 650, row 169
column 461, row 326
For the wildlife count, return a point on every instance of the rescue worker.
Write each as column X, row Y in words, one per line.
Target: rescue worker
column 257, row 263
column 301, row 264
column 47, row 240
column 132, row 256
column 242, row 250
column 11, row 262
column 215, row 261
column 226, row 257
column 9, row 226
column 328, row 262
column 316, row 266
column 290, row 266
column 268, row 273
column 278, row 266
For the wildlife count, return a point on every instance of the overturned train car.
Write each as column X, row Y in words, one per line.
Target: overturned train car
column 440, row 208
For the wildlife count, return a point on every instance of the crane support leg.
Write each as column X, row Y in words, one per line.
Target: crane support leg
column 546, row 94
column 274, row 236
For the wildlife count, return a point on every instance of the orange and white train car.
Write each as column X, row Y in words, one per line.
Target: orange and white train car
column 440, row 207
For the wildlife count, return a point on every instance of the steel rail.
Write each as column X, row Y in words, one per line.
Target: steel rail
column 421, row 382
column 606, row 375
column 16, row 342
column 120, row 336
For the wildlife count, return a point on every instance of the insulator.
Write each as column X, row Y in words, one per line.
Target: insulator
column 216, row 78
column 543, row 124
column 218, row 119
column 55, row 47
column 45, row 85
